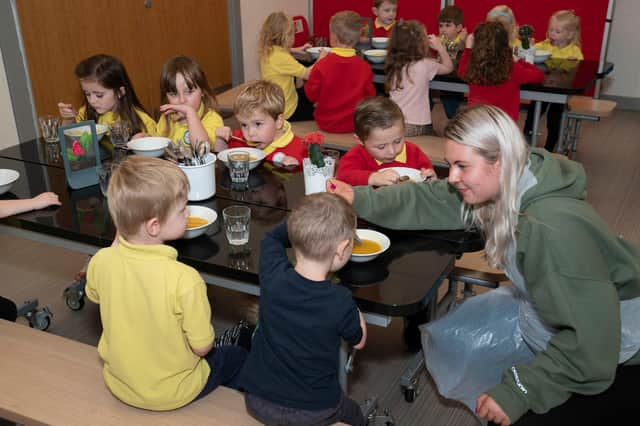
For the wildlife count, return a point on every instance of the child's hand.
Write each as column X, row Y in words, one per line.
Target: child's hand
column 463, row 34
column 469, row 41
column 435, row 43
column 335, row 186
column 224, row 133
column 45, row 199
column 181, row 110
column 220, row 145
column 324, row 52
column 428, row 174
column 140, row 135
column 289, row 161
column 67, row 111
column 384, row 177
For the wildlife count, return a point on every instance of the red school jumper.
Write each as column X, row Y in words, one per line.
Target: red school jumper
column 357, row 164
column 504, row 95
column 337, row 84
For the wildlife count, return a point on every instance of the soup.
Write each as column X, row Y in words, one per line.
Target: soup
column 195, row 222
column 367, row 247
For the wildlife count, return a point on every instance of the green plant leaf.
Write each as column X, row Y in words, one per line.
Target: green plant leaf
column 71, row 156
column 85, row 141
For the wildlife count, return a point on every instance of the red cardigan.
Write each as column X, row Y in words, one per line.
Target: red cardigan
column 357, row 164
column 295, row 148
column 337, row 84
column 504, row 95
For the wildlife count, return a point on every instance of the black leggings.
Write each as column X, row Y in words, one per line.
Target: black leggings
column 610, row 407
column 554, row 119
column 8, row 309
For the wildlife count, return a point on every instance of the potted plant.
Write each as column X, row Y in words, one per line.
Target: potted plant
column 319, row 165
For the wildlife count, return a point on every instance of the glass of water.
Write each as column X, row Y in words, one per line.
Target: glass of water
column 237, row 223
column 239, row 170
column 49, row 127
column 119, row 132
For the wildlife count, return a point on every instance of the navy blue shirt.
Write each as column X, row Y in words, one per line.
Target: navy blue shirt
column 294, row 355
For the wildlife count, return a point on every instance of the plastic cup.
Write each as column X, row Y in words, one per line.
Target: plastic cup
column 49, row 127
column 237, row 224
column 239, row 170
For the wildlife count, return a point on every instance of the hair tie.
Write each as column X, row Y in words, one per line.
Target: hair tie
column 501, row 13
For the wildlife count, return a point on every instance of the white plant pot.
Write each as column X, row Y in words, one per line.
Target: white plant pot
column 202, row 179
column 315, row 178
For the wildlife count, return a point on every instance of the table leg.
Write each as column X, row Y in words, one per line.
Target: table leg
column 536, row 123
column 560, row 144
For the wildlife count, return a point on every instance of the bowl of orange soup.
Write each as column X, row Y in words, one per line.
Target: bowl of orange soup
column 373, row 244
column 200, row 219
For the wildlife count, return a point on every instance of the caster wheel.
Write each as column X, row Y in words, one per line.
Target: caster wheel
column 40, row 320
column 74, row 301
column 409, row 395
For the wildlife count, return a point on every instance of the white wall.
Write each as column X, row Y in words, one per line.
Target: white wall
column 8, row 130
column 253, row 13
column 624, row 50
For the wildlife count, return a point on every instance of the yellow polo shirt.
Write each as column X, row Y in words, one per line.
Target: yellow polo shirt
column 281, row 68
column 108, row 118
column 569, row 51
column 153, row 310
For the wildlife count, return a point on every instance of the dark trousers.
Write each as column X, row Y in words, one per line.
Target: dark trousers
column 304, row 110
column 610, row 407
column 8, row 309
column 554, row 119
column 225, row 363
column 347, row 411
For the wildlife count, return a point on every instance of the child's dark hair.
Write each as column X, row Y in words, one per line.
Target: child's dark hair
column 110, row 73
column 376, row 112
column 491, row 57
column 193, row 75
column 407, row 44
column 451, row 14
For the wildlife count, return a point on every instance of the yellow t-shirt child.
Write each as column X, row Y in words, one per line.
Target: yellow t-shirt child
column 109, row 117
column 154, row 309
column 569, row 51
column 281, row 68
column 176, row 130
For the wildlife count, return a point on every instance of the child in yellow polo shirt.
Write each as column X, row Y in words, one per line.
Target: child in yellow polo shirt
column 157, row 335
column 280, row 67
column 108, row 97
column 259, row 108
column 189, row 114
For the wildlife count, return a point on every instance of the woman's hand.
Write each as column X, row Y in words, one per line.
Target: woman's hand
column 488, row 408
column 340, row 188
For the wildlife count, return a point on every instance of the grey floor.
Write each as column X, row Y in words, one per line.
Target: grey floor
column 609, row 151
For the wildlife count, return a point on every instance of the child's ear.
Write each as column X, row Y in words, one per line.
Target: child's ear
column 152, row 226
column 280, row 121
column 121, row 92
column 341, row 250
column 374, row 11
column 358, row 139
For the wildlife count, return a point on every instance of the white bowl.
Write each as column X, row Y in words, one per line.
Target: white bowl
column 375, row 55
column 101, row 129
column 378, row 237
column 414, row 174
column 541, row 56
column 150, row 146
column 379, row 42
column 315, row 51
column 256, row 155
column 204, row 212
column 7, row 177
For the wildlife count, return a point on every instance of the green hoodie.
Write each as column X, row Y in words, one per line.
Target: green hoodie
column 575, row 271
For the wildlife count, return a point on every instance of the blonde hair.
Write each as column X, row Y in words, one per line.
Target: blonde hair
column 346, row 26
column 503, row 14
column 260, row 95
column 495, row 136
column 318, row 223
column 142, row 188
column 277, row 30
column 571, row 22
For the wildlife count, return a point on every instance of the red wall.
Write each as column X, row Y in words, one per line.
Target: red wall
column 535, row 13
column 592, row 15
column 425, row 11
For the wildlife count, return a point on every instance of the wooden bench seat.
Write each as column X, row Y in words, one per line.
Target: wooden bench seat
column 48, row 379
column 226, row 99
column 432, row 146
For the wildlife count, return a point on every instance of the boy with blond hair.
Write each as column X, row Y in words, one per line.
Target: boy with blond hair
column 259, row 108
column 291, row 375
column 157, row 335
column 385, row 12
column 340, row 80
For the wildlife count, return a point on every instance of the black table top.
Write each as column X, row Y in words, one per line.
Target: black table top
column 398, row 283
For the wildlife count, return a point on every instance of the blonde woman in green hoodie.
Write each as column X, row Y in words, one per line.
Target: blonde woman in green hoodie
column 571, row 316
